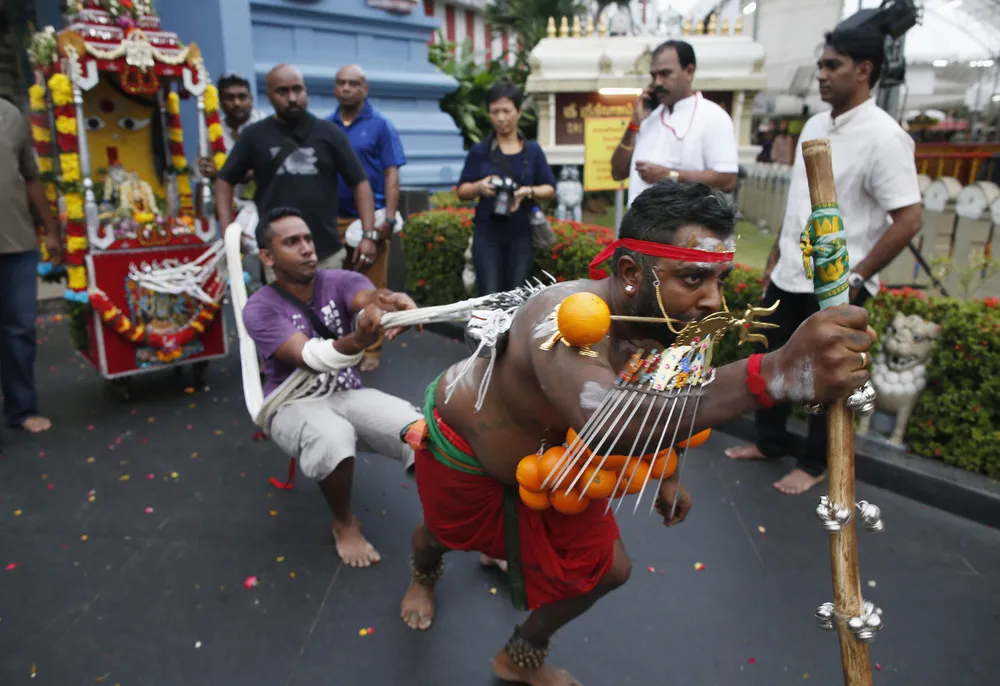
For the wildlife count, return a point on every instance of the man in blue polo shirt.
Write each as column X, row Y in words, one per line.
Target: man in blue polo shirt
column 377, row 145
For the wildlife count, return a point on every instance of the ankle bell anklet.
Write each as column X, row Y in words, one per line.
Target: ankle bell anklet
column 524, row 653
column 426, row 578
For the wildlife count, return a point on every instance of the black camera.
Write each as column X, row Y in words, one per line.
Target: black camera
column 505, row 187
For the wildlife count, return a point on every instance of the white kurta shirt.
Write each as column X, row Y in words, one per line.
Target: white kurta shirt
column 875, row 173
column 697, row 135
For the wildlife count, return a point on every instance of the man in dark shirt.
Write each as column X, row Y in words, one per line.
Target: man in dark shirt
column 295, row 158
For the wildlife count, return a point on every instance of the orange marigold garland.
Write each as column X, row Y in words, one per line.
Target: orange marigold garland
column 69, row 163
column 177, row 157
column 217, row 143
column 169, row 346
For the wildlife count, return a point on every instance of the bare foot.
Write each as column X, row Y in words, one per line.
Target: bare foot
column 797, row 482
column 487, row 561
column 369, row 364
column 417, row 608
column 36, row 425
column 745, row 452
column 353, row 548
column 506, row 670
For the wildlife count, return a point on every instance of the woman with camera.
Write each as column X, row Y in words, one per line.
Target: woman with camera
column 507, row 174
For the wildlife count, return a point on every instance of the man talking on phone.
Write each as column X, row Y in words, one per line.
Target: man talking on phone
column 675, row 133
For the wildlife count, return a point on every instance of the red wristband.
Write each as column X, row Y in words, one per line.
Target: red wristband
column 632, row 126
column 757, row 384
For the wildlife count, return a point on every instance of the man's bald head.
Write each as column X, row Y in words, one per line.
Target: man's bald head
column 350, row 87
column 352, row 71
column 286, row 89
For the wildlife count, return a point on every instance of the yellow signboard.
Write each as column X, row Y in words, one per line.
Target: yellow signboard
column 601, row 136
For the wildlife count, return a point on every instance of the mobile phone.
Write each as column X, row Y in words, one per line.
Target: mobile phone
column 650, row 101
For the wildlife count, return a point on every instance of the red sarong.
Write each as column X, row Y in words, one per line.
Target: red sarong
column 562, row 556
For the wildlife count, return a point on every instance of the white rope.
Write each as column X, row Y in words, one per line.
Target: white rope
column 185, row 279
column 490, row 325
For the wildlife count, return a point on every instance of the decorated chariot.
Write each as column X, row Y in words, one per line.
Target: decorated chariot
column 143, row 260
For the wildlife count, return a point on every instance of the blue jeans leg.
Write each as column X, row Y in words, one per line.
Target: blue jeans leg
column 488, row 260
column 18, row 309
column 520, row 262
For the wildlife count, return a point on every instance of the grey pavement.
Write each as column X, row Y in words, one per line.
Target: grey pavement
column 140, row 580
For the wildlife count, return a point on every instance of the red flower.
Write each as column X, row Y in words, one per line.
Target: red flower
column 440, row 238
column 421, row 283
column 991, row 302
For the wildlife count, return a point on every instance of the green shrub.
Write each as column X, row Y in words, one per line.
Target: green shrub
column 957, row 419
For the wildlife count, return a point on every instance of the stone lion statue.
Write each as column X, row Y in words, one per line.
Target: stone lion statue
column 569, row 195
column 899, row 371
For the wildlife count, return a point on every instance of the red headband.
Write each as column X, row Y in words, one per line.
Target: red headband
column 671, row 252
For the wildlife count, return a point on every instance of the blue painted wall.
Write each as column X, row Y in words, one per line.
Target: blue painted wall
column 319, row 36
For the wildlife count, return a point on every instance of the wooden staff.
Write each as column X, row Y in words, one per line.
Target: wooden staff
column 830, row 279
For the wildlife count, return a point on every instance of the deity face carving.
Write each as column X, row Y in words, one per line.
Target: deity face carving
column 119, row 131
column 908, row 341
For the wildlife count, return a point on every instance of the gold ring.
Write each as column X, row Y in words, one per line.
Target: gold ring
column 864, row 360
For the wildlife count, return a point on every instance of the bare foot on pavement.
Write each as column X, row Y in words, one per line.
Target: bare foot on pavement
column 36, row 425
column 745, row 452
column 487, row 561
column 797, row 482
column 506, row 670
column 417, row 608
column 353, row 548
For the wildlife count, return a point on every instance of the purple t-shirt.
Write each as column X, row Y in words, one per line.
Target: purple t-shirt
column 271, row 320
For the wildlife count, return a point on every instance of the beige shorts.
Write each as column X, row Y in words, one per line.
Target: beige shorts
column 334, row 261
column 323, row 433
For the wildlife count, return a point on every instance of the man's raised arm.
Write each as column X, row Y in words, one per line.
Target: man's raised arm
column 820, row 363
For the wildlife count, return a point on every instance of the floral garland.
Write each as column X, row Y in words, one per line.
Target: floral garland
column 177, row 157
column 69, row 163
column 215, row 139
column 41, row 135
column 169, row 346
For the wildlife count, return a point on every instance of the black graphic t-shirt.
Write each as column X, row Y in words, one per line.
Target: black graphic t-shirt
column 306, row 180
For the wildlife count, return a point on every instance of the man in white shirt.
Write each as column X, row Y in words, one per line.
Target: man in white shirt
column 675, row 133
column 876, row 177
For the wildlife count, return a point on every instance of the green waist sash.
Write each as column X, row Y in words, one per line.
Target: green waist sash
column 454, row 458
column 439, row 445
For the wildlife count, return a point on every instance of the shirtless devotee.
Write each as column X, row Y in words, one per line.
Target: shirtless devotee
column 560, row 565
column 292, row 322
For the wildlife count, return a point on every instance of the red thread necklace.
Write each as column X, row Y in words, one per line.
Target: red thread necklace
column 697, row 97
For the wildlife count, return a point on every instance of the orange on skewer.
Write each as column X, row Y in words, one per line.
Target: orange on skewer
column 534, row 501
column 604, row 482
column 584, row 319
column 568, row 503
column 664, row 465
column 697, row 440
column 528, row 474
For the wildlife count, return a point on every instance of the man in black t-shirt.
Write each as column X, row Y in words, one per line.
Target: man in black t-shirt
column 295, row 158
